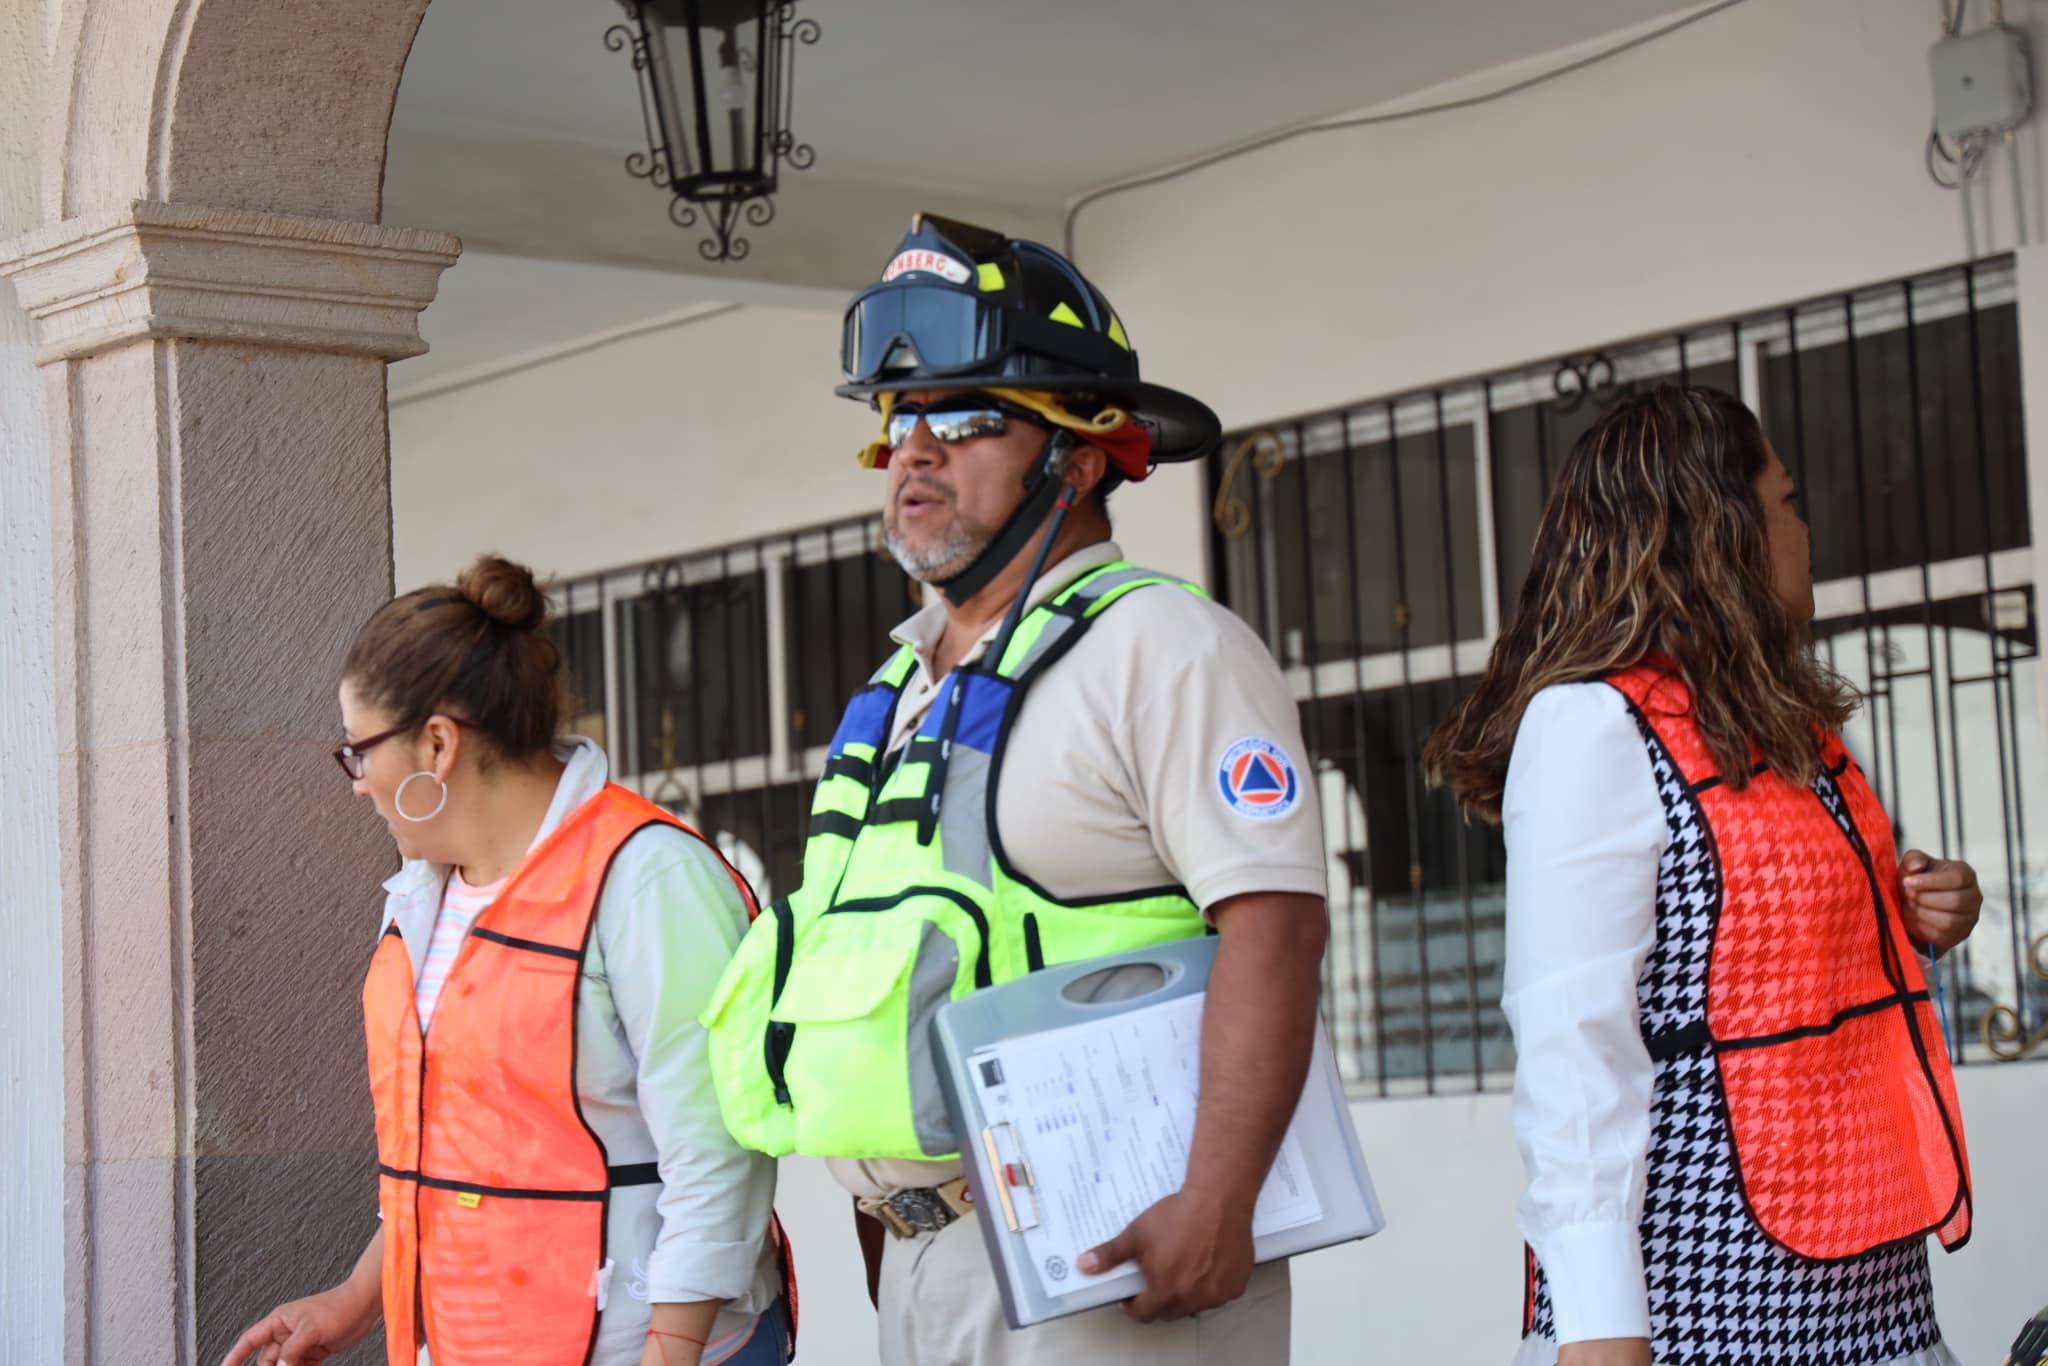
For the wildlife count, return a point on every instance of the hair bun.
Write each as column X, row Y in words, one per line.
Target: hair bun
column 505, row 592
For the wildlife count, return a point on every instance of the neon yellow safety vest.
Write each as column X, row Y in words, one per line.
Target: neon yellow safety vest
column 821, row 1026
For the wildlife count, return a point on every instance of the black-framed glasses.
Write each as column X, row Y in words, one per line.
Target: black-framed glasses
column 965, row 418
column 350, row 753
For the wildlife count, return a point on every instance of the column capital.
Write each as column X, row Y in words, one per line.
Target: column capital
column 187, row 272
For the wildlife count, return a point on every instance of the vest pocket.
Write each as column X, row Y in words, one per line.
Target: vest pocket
column 857, row 1010
column 736, row 1019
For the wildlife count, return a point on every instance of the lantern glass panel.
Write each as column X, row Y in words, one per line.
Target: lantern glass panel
column 708, row 58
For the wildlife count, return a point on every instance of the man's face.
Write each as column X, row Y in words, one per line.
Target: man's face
column 946, row 503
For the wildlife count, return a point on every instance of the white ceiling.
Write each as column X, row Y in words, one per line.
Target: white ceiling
column 1014, row 99
column 493, row 313
column 513, row 122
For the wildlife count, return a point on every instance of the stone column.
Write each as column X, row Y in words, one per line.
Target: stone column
column 221, row 524
column 31, row 1011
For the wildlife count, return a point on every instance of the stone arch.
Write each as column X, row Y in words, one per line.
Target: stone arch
column 212, row 299
column 272, row 106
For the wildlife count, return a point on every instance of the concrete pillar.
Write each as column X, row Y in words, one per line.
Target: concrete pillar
column 220, row 525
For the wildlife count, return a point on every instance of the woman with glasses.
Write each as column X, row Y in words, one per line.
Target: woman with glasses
column 1732, row 1095
column 556, row 1186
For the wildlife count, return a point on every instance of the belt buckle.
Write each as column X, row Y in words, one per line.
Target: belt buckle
column 879, row 1208
column 922, row 1209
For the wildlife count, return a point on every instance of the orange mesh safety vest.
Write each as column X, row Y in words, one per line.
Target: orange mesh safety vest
column 494, row 1191
column 1840, row 1101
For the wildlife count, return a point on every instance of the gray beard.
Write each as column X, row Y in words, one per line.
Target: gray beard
column 955, row 553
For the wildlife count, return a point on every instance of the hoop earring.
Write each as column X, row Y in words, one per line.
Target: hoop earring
column 398, row 797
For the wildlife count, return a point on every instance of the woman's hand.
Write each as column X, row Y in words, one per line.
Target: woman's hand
column 308, row 1330
column 1940, row 899
column 1605, row 1352
column 320, row 1325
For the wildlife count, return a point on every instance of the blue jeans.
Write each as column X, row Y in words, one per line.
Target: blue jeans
column 764, row 1347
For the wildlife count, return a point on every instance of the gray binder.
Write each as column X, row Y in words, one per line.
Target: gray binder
column 1005, row 1185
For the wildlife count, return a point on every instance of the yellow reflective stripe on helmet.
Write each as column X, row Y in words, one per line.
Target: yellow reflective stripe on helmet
column 1063, row 314
column 990, row 276
column 1116, row 332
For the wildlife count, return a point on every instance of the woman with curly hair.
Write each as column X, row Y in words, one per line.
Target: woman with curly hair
column 1732, row 1097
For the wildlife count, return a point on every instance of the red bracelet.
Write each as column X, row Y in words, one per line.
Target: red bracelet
column 679, row 1337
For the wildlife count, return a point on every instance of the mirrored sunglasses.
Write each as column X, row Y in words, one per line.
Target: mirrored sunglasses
column 955, row 422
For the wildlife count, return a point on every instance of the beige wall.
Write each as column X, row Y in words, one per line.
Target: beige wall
column 1770, row 152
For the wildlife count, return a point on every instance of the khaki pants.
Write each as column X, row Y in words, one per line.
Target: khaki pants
column 940, row 1307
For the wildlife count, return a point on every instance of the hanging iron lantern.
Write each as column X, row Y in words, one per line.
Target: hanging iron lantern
column 716, row 83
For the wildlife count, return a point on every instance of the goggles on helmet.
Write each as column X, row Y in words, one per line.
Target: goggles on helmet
column 934, row 330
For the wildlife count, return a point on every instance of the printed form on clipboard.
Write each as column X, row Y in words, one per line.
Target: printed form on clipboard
column 1090, row 1125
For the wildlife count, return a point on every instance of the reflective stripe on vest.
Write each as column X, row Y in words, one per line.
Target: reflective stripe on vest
column 493, row 1188
column 820, row 1028
column 1840, row 1099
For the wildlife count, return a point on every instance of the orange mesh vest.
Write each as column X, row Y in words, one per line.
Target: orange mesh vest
column 494, row 1191
column 1839, row 1099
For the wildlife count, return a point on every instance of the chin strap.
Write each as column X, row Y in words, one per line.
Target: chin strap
column 991, row 661
column 1041, row 491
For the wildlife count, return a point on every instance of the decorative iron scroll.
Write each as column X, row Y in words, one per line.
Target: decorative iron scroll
column 2005, row 1030
column 1587, row 377
column 1267, row 457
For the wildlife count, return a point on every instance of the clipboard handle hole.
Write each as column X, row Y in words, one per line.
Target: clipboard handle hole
column 1122, row 982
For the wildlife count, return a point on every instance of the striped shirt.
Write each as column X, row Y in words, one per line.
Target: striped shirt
column 461, row 904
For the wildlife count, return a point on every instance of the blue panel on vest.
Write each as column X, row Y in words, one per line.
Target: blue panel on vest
column 864, row 718
column 981, row 714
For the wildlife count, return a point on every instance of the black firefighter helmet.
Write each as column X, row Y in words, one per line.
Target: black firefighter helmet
column 962, row 308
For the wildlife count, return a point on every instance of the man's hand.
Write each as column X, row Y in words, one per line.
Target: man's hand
column 1195, row 1253
column 1605, row 1352
column 1940, row 900
column 1258, row 1030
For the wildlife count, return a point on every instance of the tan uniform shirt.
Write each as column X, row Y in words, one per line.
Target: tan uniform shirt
column 1164, row 749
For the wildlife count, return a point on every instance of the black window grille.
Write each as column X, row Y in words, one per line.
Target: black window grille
column 714, row 680
column 1376, row 548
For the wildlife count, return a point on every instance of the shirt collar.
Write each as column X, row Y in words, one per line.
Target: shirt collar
column 584, row 774
column 921, row 632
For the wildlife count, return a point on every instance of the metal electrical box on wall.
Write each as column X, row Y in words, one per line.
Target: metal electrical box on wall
column 1983, row 82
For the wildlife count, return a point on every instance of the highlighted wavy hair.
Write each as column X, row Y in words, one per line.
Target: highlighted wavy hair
column 1653, row 542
